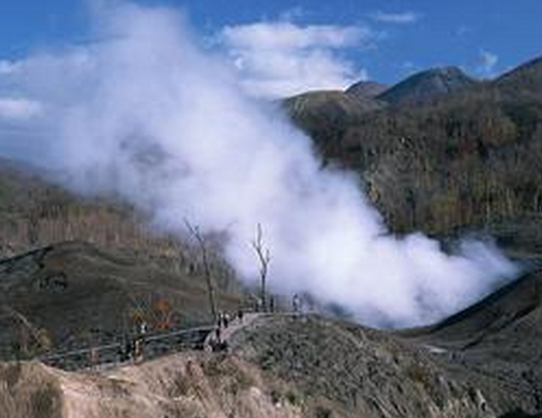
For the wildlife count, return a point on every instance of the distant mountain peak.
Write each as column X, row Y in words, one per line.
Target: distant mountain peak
column 365, row 89
column 427, row 85
column 525, row 78
column 532, row 65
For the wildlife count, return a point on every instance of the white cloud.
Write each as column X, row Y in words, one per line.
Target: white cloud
column 488, row 61
column 398, row 18
column 18, row 109
column 7, row 67
column 278, row 59
column 288, row 35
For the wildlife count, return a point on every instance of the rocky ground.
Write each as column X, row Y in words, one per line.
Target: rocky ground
column 341, row 369
column 278, row 366
column 483, row 362
column 496, row 345
column 187, row 385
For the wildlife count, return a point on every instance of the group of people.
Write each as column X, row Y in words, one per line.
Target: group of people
column 224, row 320
column 269, row 305
column 132, row 348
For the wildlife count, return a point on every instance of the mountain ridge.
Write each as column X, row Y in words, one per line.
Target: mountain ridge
column 449, row 163
column 427, row 85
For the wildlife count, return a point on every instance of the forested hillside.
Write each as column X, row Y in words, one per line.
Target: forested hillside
column 457, row 159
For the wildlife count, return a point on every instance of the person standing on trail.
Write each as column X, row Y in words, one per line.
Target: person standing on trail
column 272, row 304
column 130, row 346
column 125, row 348
column 296, row 304
column 138, row 350
column 120, row 352
column 94, row 356
column 240, row 314
column 259, row 305
column 143, row 328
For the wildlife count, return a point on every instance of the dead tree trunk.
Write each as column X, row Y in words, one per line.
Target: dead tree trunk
column 264, row 258
column 195, row 232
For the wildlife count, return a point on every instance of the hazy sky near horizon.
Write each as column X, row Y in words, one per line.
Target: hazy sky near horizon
column 312, row 44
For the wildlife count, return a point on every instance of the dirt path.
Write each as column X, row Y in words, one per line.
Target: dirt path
column 233, row 327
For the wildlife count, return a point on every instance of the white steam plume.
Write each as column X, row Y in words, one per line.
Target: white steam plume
column 150, row 116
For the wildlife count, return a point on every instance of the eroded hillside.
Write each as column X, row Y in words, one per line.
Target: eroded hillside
column 73, row 294
column 278, row 367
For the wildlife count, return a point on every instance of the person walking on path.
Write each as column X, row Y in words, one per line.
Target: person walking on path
column 296, row 303
column 138, row 350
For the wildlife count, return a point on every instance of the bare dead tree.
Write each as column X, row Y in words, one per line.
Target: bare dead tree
column 202, row 243
column 264, row 258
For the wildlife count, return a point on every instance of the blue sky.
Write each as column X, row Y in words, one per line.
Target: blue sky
column 398, row 37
